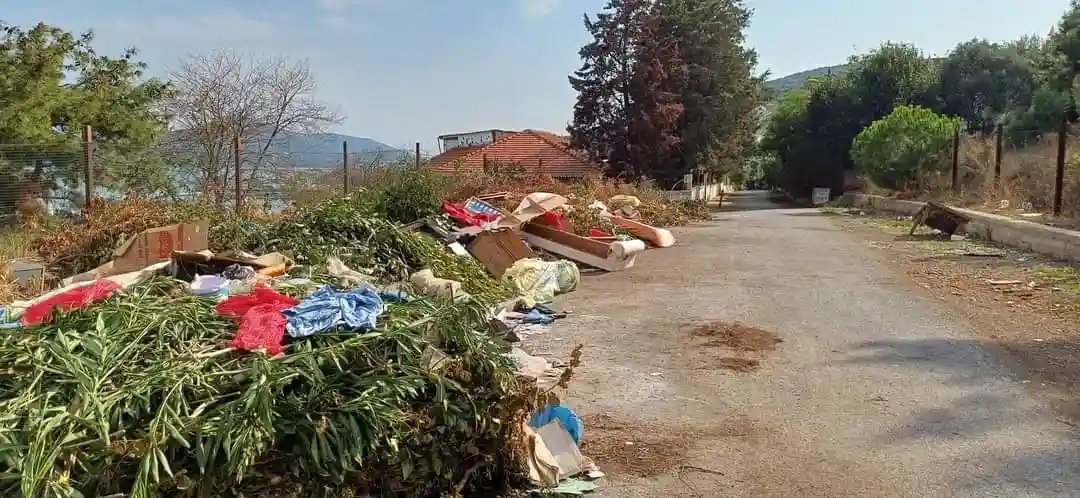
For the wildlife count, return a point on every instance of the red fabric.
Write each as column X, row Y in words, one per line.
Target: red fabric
column 262, row 326
column 78, row 297
column 458, row 213
column 599, row 234
column 557, row 221
column 238, row 306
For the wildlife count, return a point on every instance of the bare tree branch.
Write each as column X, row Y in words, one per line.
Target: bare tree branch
column 225, row 95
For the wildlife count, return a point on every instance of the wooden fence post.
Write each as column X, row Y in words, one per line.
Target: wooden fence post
column 998, row 139
column 236, row 173
column 88, row 164
column 416, row 160
column 1059, row 178
column 345, row 167
column 956, row 162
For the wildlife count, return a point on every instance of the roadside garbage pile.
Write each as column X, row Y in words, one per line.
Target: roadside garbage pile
column 327, row 351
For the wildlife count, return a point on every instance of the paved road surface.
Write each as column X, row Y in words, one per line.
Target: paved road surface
column 872, row 393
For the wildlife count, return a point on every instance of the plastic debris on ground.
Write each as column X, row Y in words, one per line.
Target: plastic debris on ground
column 564, row 415
column 529, row 321
column 535, row 367
column 77, row 297
column 347, row 277
column 212, row 286
column 538, row 281
column 327, row 309
column 461, row 215
column 431, row 285
column 7, row 321
column 572, row 487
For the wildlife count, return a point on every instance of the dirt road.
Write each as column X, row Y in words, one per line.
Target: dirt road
column 876, row 389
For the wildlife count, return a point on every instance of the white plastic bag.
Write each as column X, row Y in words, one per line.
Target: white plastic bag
column 538, row 281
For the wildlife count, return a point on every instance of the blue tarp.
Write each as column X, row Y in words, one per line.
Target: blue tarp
column 327, row 309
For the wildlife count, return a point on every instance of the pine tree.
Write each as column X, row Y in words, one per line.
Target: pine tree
column 603, row 109
column 654, row 127
column 721, row 95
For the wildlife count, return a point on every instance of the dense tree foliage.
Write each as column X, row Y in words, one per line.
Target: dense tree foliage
column 53, row 84
column 911, row 141
column 1024, row 86
column 666, row 88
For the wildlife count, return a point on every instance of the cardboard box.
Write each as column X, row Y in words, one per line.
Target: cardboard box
column 158, row 244
column 148, row 247
column 498, row 250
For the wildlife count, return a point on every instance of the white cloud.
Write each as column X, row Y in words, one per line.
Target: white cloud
column 535, row 9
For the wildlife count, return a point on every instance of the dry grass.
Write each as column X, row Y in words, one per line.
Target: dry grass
column 1026, row 185
column 14, row 244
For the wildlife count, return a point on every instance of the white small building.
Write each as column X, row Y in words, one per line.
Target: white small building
column 472, row 138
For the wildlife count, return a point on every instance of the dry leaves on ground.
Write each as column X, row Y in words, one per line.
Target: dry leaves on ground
column 738, row 336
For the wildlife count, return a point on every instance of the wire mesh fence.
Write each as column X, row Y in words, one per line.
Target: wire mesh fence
column 1027, row 169
column 226, row 171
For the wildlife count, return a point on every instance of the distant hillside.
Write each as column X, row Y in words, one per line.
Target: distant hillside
column 323, row 150
column 799, row 79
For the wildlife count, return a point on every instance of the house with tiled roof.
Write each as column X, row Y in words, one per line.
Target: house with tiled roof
column 534, row 151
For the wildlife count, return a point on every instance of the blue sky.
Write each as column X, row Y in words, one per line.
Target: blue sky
column 402, row 71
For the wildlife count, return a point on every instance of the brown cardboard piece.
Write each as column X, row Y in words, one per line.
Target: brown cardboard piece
column 149, row 247
column 498, row 250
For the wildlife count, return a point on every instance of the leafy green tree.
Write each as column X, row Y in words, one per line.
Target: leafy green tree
column 811, row 133
column 979, row 81
column 895, row 150
column 53, row 84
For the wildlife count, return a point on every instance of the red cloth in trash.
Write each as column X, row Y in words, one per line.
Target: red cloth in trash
column 458, row 213
column 262, row 326
column 237, row 306
column 78, row 297
column 596, row 233
column 557, row 221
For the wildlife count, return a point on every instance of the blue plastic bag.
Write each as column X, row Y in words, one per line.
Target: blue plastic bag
column 564, row 415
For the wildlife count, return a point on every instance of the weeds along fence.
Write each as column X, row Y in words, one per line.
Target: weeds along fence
column 59, row 178
column 1035, row 170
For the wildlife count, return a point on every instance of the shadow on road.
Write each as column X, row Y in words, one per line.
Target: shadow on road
column 752, row 200
column 984, row 413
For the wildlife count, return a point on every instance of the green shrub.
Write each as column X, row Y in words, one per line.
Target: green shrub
column 407, row 195
column 893, row 151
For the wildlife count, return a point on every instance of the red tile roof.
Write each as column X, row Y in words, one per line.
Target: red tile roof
column 536, row 151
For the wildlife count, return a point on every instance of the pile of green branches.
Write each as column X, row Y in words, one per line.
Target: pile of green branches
column 136, row 396
column 351, row 229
